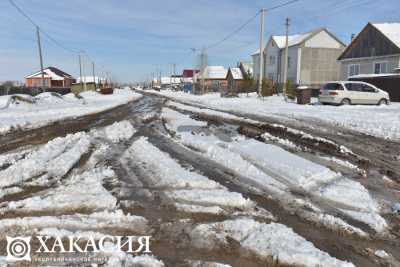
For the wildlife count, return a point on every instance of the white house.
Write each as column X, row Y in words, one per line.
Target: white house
column 312, row 58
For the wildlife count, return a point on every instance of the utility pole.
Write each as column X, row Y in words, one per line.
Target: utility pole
column 194, row 72
column 40, row 55
column 94, row 77
column 83, row 74
column 80, row 71
column 204, row 63
column 285, row 70
column 261, row 51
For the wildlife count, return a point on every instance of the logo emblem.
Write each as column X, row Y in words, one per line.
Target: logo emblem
column 18, row 249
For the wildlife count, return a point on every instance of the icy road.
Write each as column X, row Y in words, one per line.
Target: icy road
column 210, row 188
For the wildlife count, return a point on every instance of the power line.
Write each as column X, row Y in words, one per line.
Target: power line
column 44, row 32
column 282, row 5
column 233, row 33
column 248, row 22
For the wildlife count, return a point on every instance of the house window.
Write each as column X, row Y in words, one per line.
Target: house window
column 380, row 67
column 354, row 69
column 289, row 62
column 272, row 60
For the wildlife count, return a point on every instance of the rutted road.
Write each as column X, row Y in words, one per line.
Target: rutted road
column 341, row 246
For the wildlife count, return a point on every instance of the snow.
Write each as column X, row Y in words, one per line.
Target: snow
column 184, row 186
column 380, row 121
column 209, row 112
column 209, row 145
column 214, row 72
column 176, row 122
column 54, row 159
column 83, row 191
column 265, row 240
column 116, row 132
column 118, row 258
column 52, row 109
column 90, row 79
column 205, row 197
column 390, row 30
column 270, row 167
column 198, row 209
column 236, row 73
column 82, row 222
column 356, row 201
column 381, row 254
column 396, row 208
column 166, row 172
column 295, row 170
column 206, row 264
column 48, row 73
column 295, row 39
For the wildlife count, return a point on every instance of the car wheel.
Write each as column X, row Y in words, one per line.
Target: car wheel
column 382, row 102
column 346, row 101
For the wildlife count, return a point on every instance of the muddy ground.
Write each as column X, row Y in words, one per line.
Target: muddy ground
column 374, row 157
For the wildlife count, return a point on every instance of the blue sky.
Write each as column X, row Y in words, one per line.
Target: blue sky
column 134, row 38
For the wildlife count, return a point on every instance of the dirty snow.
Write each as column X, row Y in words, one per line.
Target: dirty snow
column 381, row 121
column 83, row 222
column 166, row 172
column 54, row 159
column 218, row 197
column 265, row 240
column 177, row 122
column 277, row 170
column 50, row 108
column 116, row 132
column 70, row 196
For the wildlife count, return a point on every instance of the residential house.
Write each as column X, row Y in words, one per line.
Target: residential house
column 374, row 51
column 234, row 79
column 312, row 58
column 246, row 68
column 187, row 79
column 170, row 81
column 212, row 79
column 52, row 77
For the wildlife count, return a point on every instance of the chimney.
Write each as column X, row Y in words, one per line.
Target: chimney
column 352, row 37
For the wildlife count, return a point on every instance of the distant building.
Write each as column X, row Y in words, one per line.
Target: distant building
column 52, row 77
column 375, row 51
column 246, row 68
column 234, row 79
column 214, row 78
column 312, row 58
column 187, row 79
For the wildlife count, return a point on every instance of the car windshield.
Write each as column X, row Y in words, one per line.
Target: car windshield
column 332, row 86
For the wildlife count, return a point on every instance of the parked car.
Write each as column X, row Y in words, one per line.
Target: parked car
column 352, row 92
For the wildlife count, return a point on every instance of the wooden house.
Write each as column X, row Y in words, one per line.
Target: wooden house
column 374, row 51
column 234, row 79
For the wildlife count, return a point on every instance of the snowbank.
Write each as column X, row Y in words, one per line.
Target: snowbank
column 50, row 108
column 381, row 121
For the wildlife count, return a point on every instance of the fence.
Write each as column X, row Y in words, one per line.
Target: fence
column 33, row 91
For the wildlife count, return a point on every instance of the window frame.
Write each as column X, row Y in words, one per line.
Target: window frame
column 349, row 69
column 380, row 67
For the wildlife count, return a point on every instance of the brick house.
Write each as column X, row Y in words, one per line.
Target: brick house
column 53, row 78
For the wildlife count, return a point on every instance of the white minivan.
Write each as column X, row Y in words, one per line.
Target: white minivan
column 352, row 92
